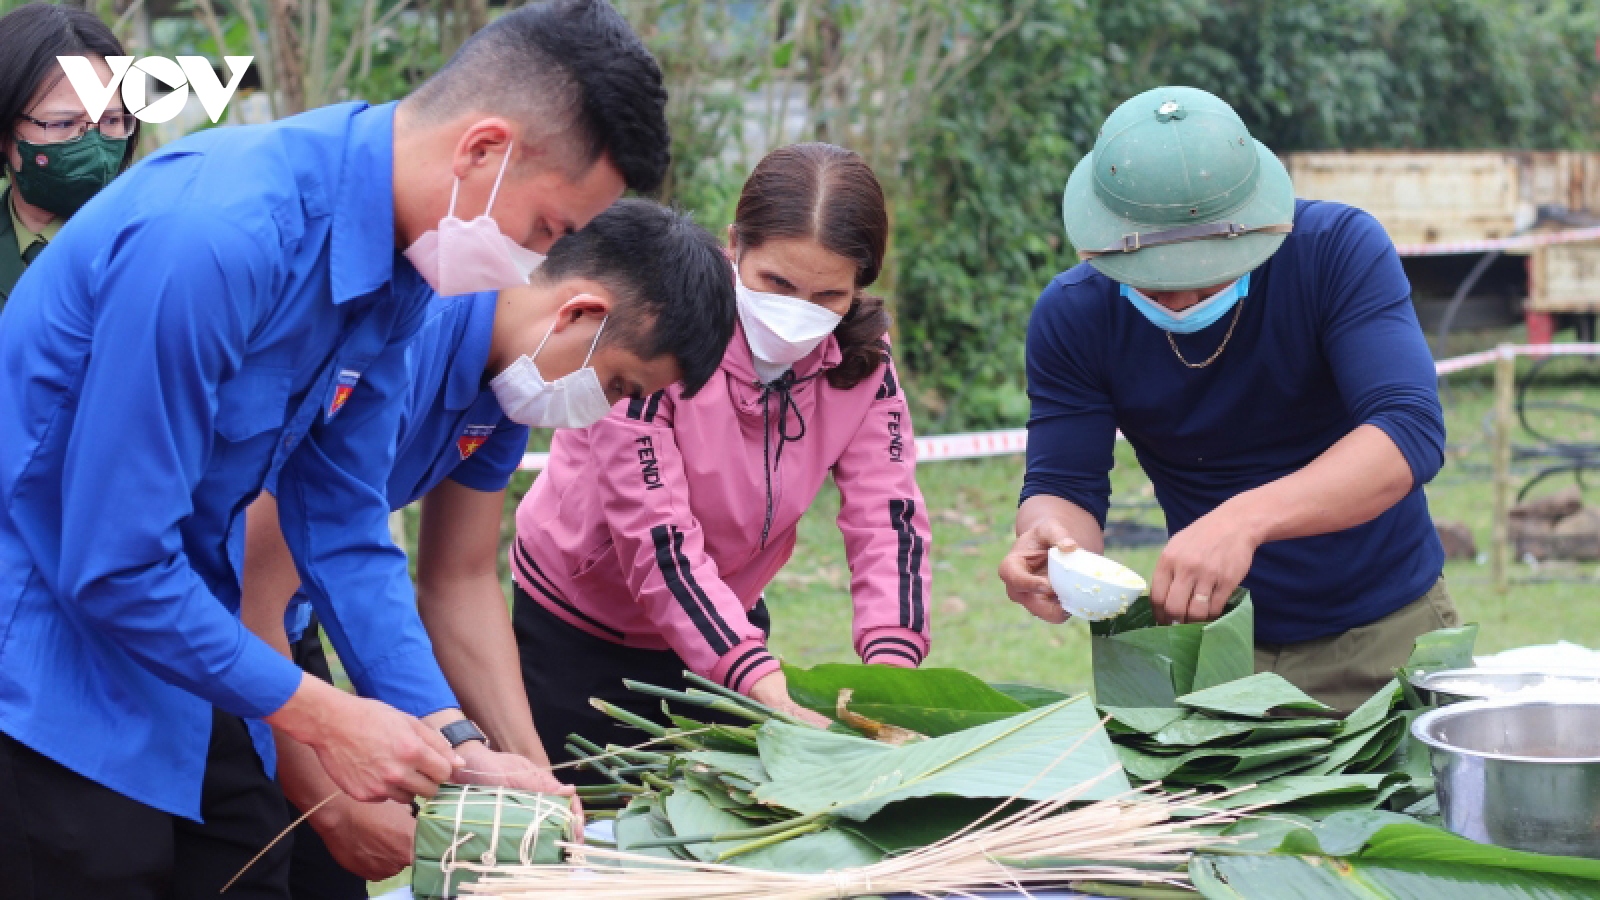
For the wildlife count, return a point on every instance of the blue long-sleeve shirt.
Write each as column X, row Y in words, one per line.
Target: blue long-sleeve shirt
column 451, row 426
column 1326, row 340
column 231, row 306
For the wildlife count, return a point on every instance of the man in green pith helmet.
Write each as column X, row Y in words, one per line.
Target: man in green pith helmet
column 1262, row 356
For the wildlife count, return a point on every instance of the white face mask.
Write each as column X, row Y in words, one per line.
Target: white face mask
column 781, row 329
column 462, row 257
column 575, row 400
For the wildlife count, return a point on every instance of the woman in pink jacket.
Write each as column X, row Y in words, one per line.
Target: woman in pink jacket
column 644, row 547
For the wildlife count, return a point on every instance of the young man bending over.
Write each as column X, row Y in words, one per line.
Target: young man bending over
column 638, row 300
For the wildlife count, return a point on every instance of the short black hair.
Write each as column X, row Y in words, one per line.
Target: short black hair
column 567, row 67
column 31, row 37
column 673, row 285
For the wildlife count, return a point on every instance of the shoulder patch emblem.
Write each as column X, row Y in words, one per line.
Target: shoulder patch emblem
column 472, row 437
column 343, row 387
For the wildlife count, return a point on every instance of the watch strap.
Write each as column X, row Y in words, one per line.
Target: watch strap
column 462, row 730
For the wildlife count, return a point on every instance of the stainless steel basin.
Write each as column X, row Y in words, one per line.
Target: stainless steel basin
column 1457, row 685
column 1523, row 774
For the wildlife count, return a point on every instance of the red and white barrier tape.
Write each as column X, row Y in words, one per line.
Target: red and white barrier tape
column 1520, row 242
column 978, row 444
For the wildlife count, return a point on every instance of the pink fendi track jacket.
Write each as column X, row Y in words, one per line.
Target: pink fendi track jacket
column 660, row 526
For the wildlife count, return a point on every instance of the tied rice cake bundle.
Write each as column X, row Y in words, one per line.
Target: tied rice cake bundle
column 466, row 830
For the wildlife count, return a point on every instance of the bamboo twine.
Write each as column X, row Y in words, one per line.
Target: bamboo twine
column 1134, row 838
column 1131, row 837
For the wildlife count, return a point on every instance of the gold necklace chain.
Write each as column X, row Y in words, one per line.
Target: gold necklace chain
column 1237, row 310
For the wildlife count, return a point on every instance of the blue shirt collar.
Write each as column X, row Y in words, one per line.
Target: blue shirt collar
column 361, row 254
column 465, row 381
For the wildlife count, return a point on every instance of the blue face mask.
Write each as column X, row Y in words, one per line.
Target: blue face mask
column 1199, row 316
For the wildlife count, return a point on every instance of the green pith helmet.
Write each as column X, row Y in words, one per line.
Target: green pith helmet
column 1176, row 194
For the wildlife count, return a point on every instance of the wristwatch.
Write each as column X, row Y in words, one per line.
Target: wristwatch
column 462, row 730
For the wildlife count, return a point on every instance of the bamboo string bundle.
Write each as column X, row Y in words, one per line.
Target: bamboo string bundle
column 1144, row 837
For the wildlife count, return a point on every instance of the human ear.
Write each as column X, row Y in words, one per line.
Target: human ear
column 482, row 140
column 579, row 306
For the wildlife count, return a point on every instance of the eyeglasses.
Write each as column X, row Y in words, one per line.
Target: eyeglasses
column 115, row 126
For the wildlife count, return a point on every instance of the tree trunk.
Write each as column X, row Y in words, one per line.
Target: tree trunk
column 459, row 20
column 287, row 58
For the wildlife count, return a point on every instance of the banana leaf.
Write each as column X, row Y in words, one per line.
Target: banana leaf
column 1247, row 777
column 1254, row 697
column 1380, row 855
column 1376, row 708
column 641, row 821
column 1197, row 730
column 817, row 771
column 1322, row 808
column 1143, row 719
column 1290, row 789
column 1321, row 878
column 1178, row 644
column 1378, row 751
column 1211, row 761
column 693, row 814
column 928, row 701
column 1227, row 647
column 746, row 767
column 715, row 736
column 1140, row 663
column 725, row 797
column 1030, row 695
column 1139, row 614
column 1447, row 648
column 1361, row 752
column 1390, row 836
column 1412, row 756
column 910, row 824
column 1131, row 676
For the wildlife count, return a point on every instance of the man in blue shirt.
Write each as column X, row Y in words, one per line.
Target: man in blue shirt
column 638, row 300
column 1262, row 357
column 235, row 306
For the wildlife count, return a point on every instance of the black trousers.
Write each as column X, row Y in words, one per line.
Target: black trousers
column 313, row 872
column 562, row 667
column 65, row 837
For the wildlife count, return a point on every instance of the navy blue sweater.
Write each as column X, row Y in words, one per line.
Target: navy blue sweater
column 1326, row 340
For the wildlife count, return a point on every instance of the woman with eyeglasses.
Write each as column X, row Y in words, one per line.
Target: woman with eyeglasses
column 55, row 156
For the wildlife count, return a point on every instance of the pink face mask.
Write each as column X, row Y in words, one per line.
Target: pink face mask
column 463, row 257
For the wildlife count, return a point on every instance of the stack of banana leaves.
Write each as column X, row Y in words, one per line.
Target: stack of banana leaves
column 918, row 756
column 1188, row 710
column 1377, row 855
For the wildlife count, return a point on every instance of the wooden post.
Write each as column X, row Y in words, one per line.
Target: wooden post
column 1505, row 378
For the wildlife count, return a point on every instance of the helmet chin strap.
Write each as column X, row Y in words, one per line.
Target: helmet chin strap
column 1136, row 241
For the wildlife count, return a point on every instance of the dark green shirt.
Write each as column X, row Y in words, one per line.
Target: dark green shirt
column 11, row 264
column 17, row 239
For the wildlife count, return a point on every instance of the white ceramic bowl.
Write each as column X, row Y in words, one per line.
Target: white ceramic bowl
column 1092, row 587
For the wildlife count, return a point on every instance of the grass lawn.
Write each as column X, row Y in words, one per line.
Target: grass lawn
column 978, row 629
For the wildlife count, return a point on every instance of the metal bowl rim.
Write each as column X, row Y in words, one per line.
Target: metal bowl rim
column 1419, row 730
column 1425, row 680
